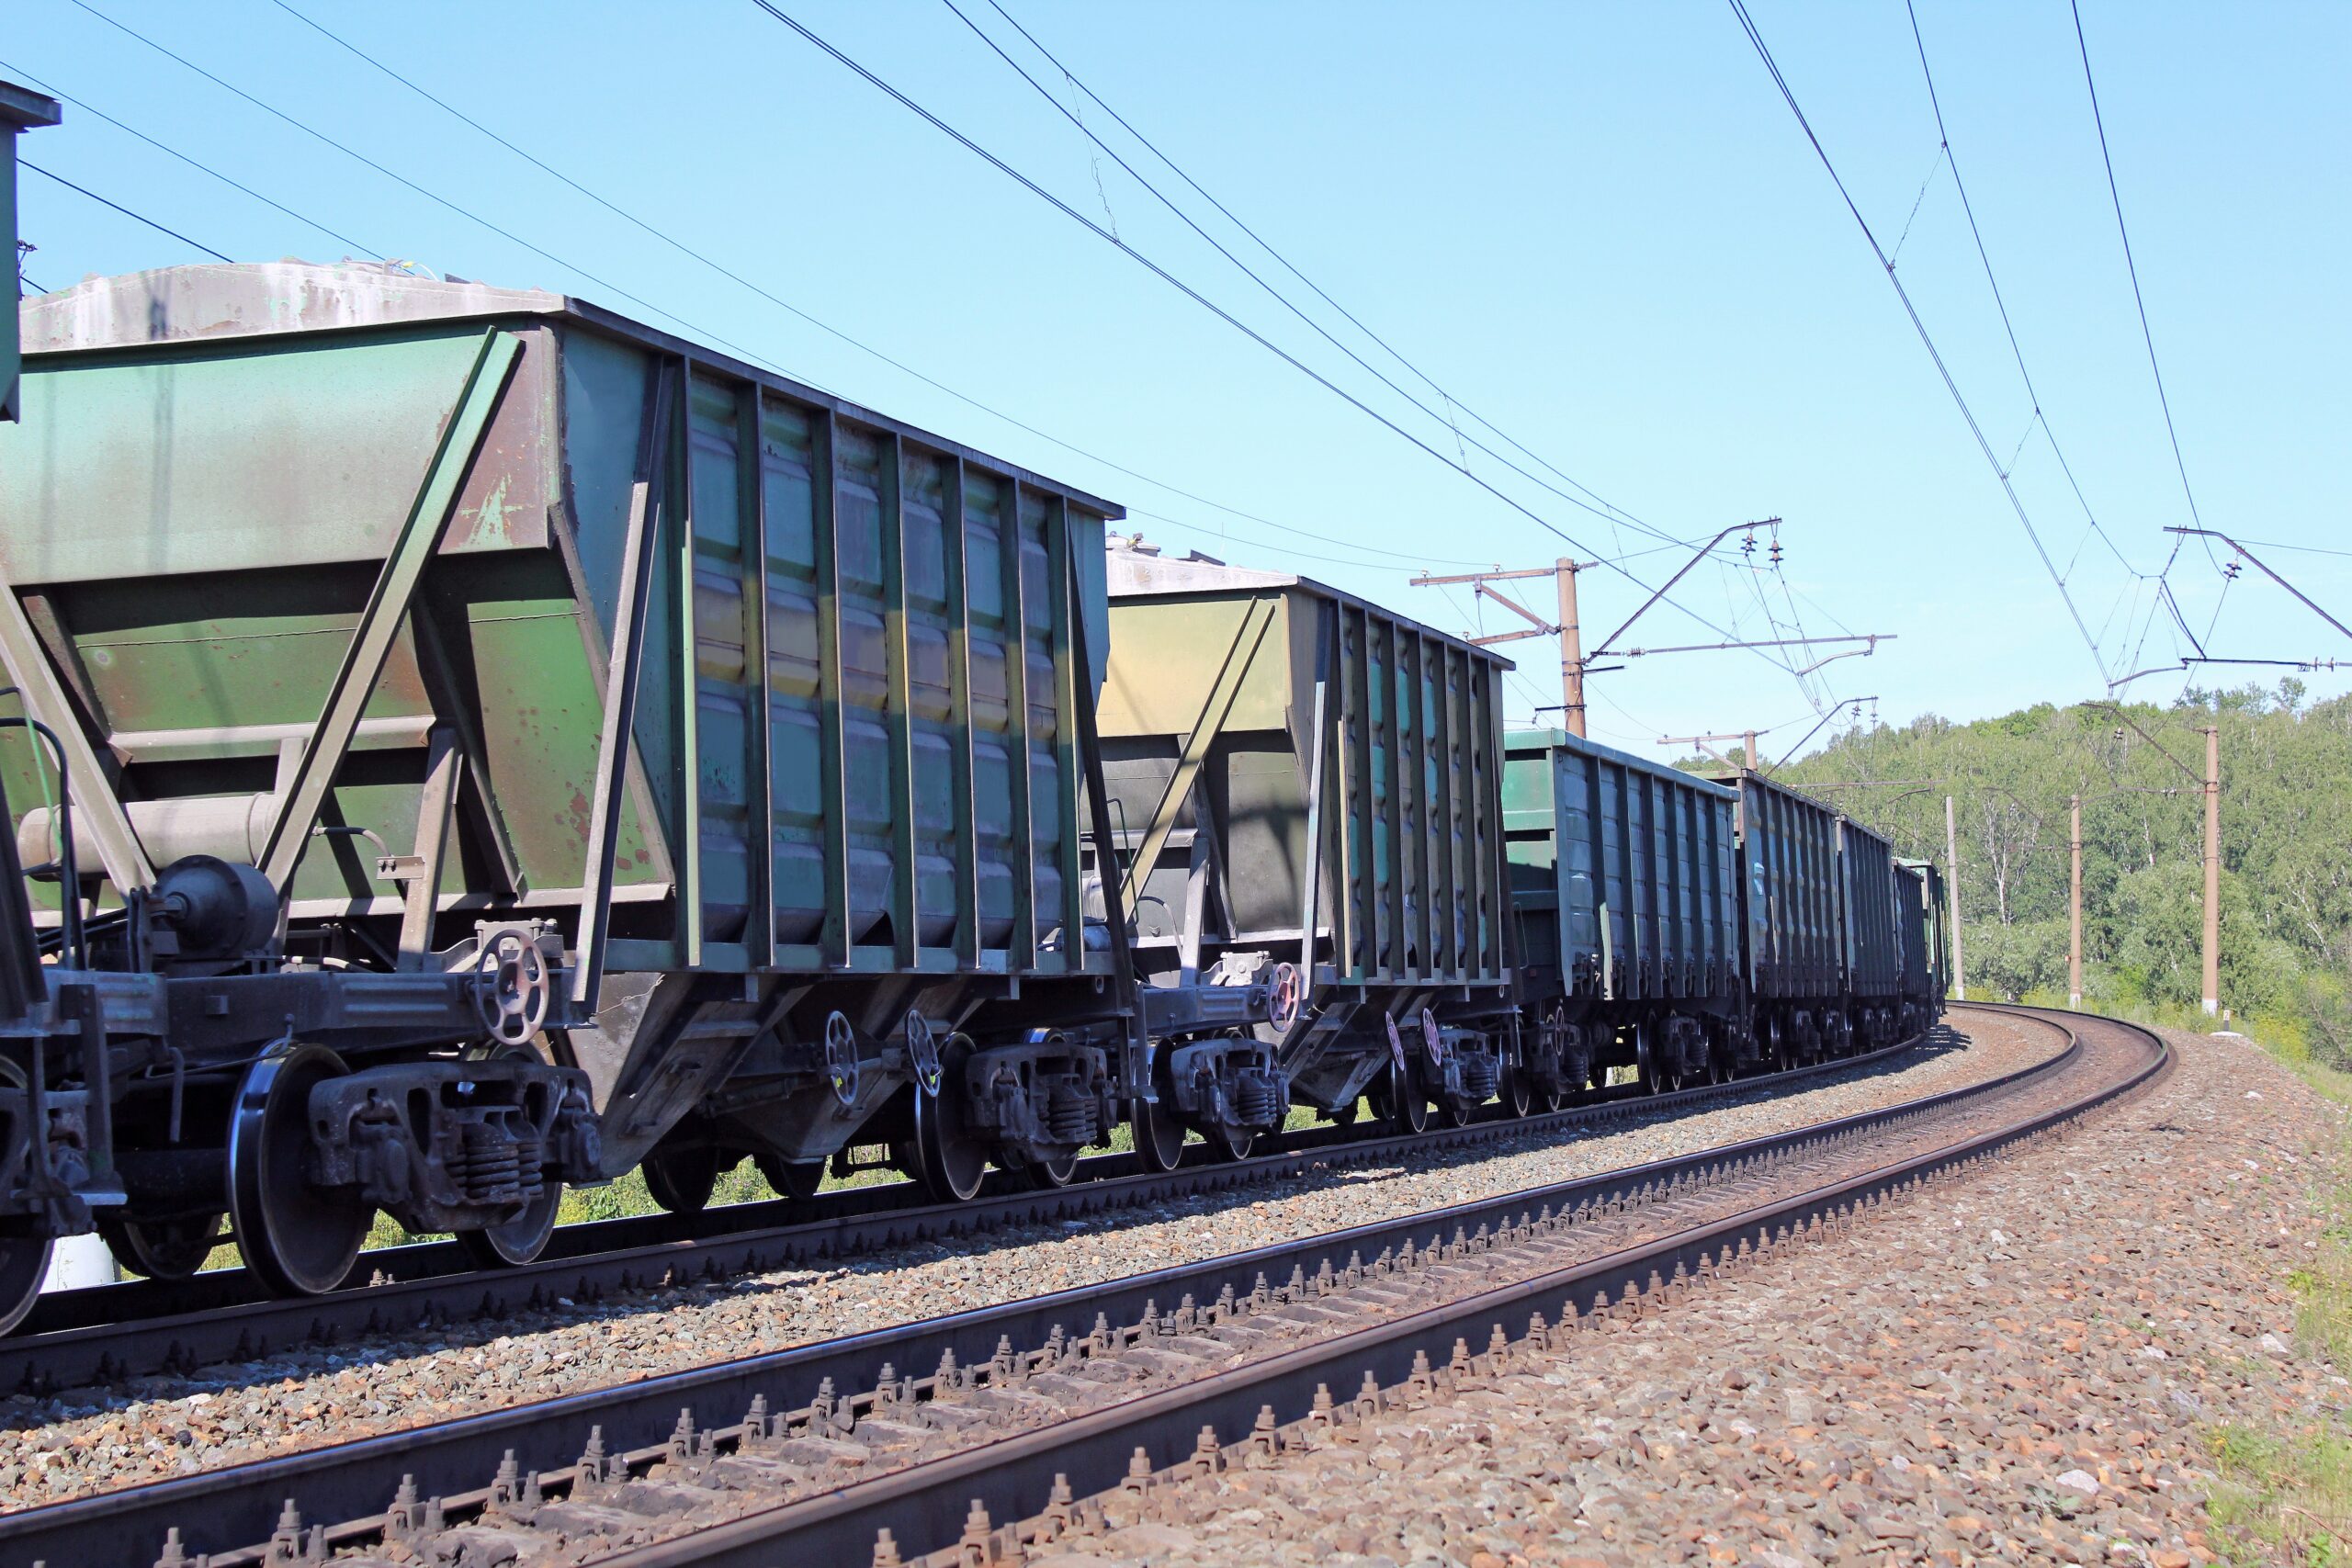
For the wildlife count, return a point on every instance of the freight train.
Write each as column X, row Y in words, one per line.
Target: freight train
column 470, row 742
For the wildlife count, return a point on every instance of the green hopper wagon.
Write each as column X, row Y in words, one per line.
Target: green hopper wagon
column 1308, row 787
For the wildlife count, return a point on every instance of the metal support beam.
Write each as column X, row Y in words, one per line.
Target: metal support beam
column 647, row 502
column 1322, row 721
column 99, row 815
column 437, row 806
column 2212, row 870
column 1098, row 806
column 380, row 621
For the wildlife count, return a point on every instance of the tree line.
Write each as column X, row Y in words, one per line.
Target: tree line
column 2286, row 809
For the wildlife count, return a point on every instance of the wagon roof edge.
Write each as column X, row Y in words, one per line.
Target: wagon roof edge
column 205, row 303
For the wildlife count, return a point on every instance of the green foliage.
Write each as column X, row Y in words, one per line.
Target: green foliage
column 2286, row 810
column 2284, row 1489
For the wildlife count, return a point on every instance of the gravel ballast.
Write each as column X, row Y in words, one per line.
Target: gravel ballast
column 95, row 1440
column 2028, row 1365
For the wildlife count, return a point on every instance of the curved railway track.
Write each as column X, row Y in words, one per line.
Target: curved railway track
column 1036, row 1405
column 107, row 1333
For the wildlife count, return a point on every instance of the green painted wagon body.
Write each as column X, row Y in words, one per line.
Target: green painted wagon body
column 853, row 659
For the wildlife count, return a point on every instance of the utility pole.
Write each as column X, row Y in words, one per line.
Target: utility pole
column 1576, row 663
column 1573, row 663
column 1571, row 649
column 2211, row 786
column 2212, row 870
column 2075, row 902
column 1706, row 743
column 1952, row 862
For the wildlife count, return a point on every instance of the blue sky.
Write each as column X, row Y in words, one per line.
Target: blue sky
column 1596, row 225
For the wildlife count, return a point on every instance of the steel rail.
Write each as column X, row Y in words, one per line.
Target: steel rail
column 926, row 1506
column 229, row 1511
column 107, row 1333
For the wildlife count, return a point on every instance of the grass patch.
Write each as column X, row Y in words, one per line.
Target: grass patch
column 2286, row 1495
column 2281, row 1497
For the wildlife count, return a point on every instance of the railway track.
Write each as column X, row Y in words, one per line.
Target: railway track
column 108, row 1332
column 1034, row 1406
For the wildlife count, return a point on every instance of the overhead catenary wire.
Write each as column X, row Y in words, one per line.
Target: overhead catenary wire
column 1293, row 269
column 2107, row 161
column 733, row 276
column 1918, row 325
column 2307, row 550
column 127, row 213
column 1252, row 273
column 1222, row 315
column 202, row 168
column 1968, row 209
column 692, row 328
column 434, row 196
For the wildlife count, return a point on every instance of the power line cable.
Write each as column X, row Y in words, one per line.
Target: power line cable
column 1157, row 270
column 88, row 109
column 2307, row 550
column 691, row 327
column 135, row 217
column 1982, row 255
column 732, row 276
column 1992, row 460
column 1251, row 273
column 1293, row 269
column 2132, row 267
column 434, row 196
column 1215, row 309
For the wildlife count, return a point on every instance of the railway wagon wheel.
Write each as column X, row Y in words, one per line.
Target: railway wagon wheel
column 1047, row 1174
column 521, row 1240
column 1397, row 1098
column 1650, row 1063
column 298, row 1238
column 24, row 1255
column 950, row 1157
column 1518, row 1093
column 681, row 1176
column 23, row 1264
column 797, row 1180
column 1159, row 1133
column 160, row 1249
column 1229, row 1146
